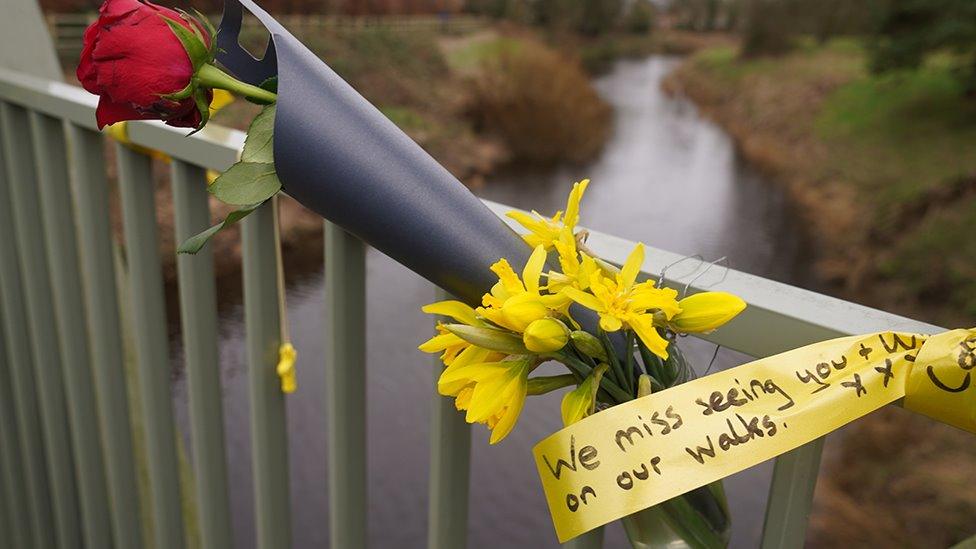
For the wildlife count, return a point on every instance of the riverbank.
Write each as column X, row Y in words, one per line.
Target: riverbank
column 881, row 168
column 883, row 175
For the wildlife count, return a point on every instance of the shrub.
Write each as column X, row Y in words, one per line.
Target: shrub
column 640, row 18
column 541, row 104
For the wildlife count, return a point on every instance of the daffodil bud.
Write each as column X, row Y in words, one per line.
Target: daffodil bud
column 545, row 335
column 589, row 345
column 546, row 384
column 488, row 338
column 706, row 311
column 581, row 402
column 523, row 309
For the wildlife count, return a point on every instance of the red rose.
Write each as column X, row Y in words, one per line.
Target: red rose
column 131, row 58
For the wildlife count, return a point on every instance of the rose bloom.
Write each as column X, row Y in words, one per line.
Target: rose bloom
column 130, row 58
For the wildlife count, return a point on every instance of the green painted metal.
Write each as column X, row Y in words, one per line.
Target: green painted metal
column 48, row 138
column 269, row 439
column 791, row 496
column 198, row 313
column 41, row 322
column 90, row 187
column 450, row 469
column 345, row 382
column 19, row 357
column 590, row 540
column 16, row 526
column 148, row 316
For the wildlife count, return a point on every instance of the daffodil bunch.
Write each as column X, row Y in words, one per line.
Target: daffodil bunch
column 490, row 352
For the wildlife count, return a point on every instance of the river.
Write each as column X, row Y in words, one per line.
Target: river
column 666, row 177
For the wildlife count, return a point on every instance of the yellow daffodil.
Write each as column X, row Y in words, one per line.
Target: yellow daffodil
column 545, row 335
column 493, row 392
column 623, row 302
column 514, row 303
column 576, row 267
column 450, row 344
column 544, row 231
column 706, row 311
column 581, row 402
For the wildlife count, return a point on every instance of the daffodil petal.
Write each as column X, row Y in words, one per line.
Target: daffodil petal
column 575, row 404
column 507, row 276
column 457, row 310
column 643, row 326
column 507, row 422
column 533, row 269
column 440, row 342
column 587, row 300
column 610, row 323
column 573, row 203
column 630, row 270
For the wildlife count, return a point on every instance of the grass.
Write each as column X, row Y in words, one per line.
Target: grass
column 901, row 135
column 468, row 55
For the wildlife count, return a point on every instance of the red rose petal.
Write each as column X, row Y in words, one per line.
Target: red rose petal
column 109, row 112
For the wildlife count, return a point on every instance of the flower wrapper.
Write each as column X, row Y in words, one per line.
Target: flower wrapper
column 340, row 157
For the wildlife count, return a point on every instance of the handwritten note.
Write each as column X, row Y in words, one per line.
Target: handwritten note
column 636, row 455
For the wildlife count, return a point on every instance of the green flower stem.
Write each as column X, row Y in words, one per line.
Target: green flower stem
column 578, row 366
column 629, row 365
column 212, row 77
column 615, row 366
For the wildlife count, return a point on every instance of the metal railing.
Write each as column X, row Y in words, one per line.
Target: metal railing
column 67, row 451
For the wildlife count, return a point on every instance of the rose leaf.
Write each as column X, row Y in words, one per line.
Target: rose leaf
column 246, row 183
column 193, row 244
column 259, row 145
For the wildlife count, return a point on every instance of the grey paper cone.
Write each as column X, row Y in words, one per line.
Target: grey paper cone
column 343, row 159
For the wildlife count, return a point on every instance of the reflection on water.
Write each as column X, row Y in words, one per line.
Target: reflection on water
column 667, row 177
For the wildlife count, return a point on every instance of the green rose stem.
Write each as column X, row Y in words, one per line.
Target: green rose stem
column 212, row 77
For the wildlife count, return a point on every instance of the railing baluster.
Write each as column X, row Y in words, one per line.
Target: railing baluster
column 450, row 469
column 16, row 526
column 104, row 328
column 19, row 357
column 345, row 383
column 62, row 254
column 791, row 496
column 198, row 311
column 41, row 321
column 269, row 440
column 148, row 315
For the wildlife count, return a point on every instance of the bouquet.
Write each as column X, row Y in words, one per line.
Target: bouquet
column 336, row 154
column 529, row 317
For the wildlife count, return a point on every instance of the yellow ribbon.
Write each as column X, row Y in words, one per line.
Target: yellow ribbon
column 636, row 455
